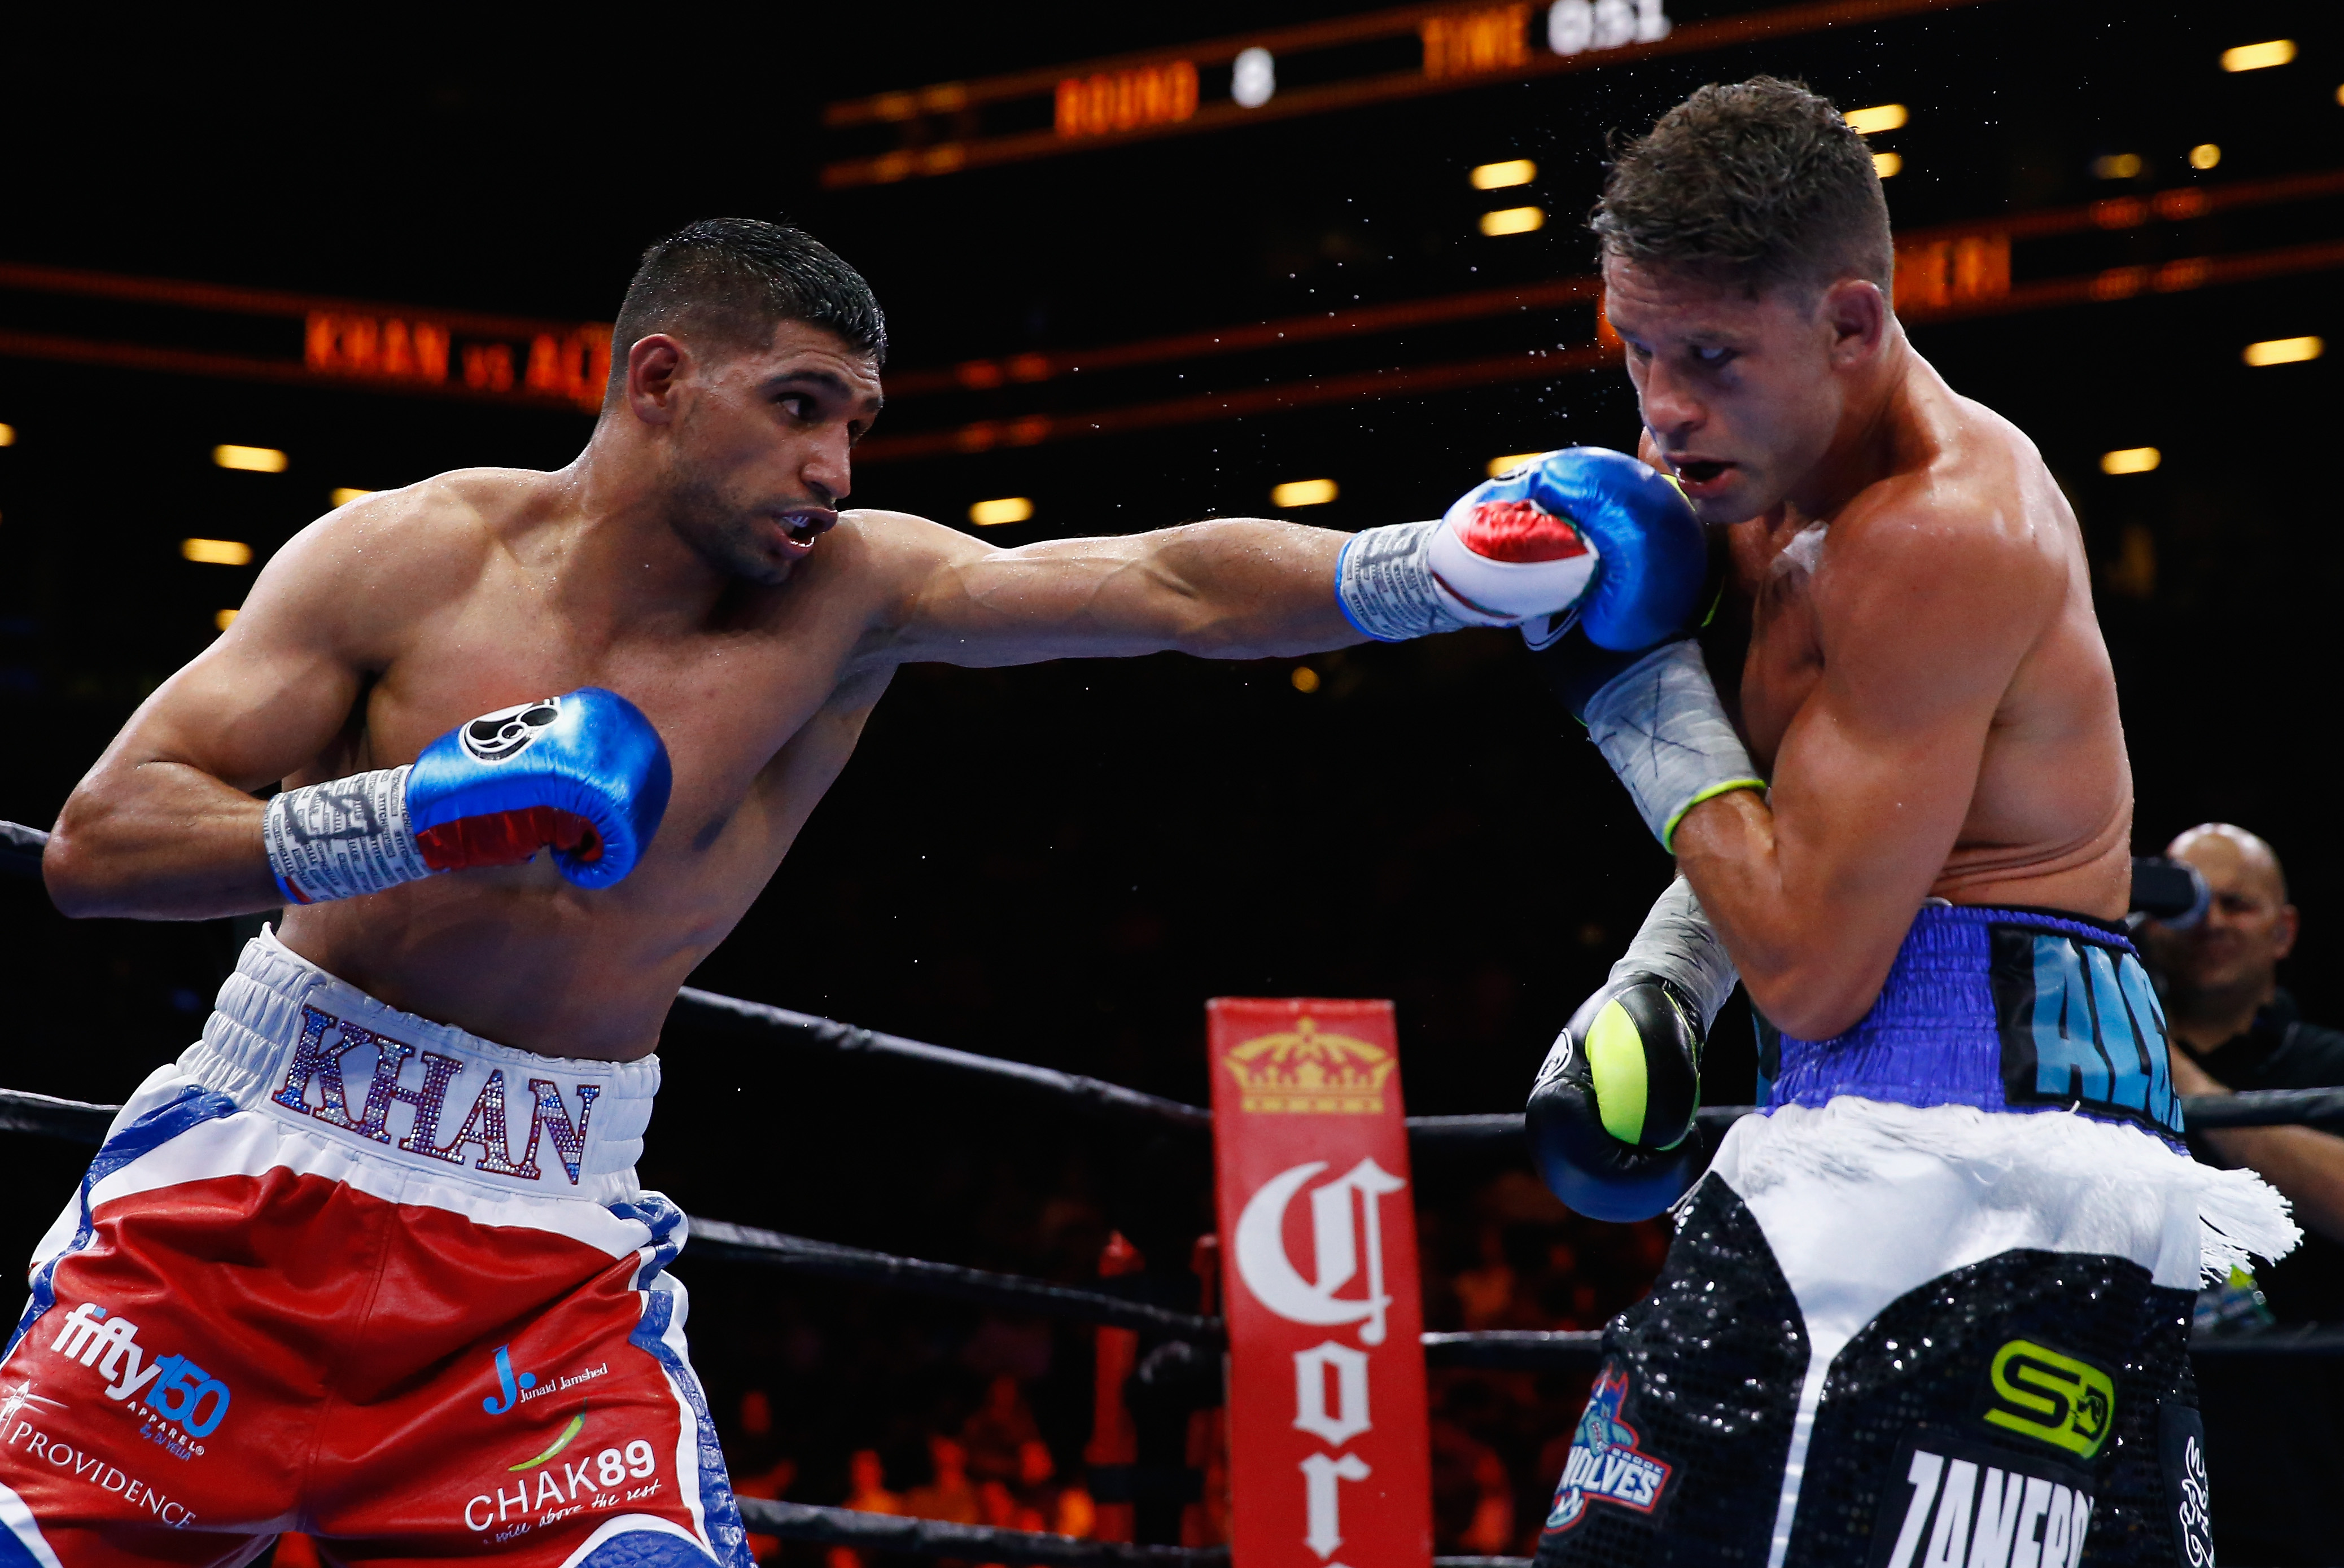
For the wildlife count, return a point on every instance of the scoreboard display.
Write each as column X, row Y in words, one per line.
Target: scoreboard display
column 1344, row 63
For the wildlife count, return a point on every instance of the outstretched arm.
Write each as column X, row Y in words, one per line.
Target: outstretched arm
column 1922, row 628
column 1240, row 587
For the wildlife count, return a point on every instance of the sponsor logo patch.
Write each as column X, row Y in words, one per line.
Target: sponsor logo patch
column 2057, row 1398
column 1605, row 1464
column 1966, row 1502
column 183, row 1403
column 554, row 1485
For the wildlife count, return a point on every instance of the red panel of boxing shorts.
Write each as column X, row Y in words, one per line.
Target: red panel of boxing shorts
column 358, row 1340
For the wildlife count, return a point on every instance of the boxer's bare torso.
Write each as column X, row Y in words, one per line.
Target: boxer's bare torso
column 1925, row 688
column 755, row 642
column 2049, row 814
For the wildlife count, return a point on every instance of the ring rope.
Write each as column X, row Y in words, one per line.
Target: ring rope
column 1511, row 1350
column 888, row 1533
column 828, row 1260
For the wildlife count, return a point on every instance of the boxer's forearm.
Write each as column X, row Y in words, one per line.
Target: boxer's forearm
column 1248, row 588
column 1236, row 588
column 1813, row 945
column 158, row 840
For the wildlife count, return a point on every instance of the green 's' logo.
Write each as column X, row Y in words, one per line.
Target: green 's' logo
column 2052, row 1398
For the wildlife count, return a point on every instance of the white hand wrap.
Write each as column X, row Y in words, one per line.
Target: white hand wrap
column 343, row 838
column 1660, row 725
column 1385, row 584
column 1677, row 943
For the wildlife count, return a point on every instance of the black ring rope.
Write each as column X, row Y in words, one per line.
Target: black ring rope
column 885, row 1532
column 733, row 1015
column 828, row 1260
column 82, row 1122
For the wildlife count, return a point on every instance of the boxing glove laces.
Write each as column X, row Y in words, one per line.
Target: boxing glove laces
column 1610, row 1117
column 584, row 775
column 1582, row 533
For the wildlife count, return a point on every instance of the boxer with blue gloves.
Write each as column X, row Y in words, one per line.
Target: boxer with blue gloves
column 389, row 1195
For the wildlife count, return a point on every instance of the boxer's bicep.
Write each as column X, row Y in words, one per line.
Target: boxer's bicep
column 277, row 686
column 165, row 825
column 1236, row 588
column 1875, row 775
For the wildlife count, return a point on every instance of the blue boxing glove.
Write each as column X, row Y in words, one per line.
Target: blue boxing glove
column 1651, row 554
column 584, row 775
column 1580, row 535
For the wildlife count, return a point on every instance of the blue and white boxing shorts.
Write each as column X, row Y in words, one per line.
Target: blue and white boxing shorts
column 1932, row 1309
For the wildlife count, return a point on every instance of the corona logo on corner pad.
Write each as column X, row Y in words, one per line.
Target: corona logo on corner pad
column 1308, row 1069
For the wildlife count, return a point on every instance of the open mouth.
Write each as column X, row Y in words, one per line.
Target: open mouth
column 1701, row 472
column 802, row 527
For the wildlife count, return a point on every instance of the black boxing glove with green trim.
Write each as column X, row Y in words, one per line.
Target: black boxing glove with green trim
column 1610, row 1118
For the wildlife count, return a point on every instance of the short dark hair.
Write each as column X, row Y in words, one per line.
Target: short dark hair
column 734, row 279
column 1758, row 183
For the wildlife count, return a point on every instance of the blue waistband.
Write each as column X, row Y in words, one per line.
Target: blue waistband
column 2003, row 1009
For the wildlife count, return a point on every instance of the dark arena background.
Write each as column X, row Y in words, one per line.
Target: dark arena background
column 248, row 263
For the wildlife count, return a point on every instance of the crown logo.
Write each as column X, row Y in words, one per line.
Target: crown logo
column 1311, row 1071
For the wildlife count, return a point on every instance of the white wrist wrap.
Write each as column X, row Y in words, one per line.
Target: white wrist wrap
column 343, row 838
column 1677, row 943
column 1660, row 725
column 1386, row 587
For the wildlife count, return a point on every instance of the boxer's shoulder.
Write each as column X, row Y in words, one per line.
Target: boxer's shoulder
column 1968, row 502
column 384, row 559
column 454, row 518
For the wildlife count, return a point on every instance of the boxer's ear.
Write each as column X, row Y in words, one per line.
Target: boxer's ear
column 654, row 364
column 1856, row 314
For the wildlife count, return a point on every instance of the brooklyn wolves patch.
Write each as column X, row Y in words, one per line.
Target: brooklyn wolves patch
column 1605, row 1464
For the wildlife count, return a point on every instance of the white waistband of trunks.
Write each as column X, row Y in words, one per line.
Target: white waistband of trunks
column 288, row 1040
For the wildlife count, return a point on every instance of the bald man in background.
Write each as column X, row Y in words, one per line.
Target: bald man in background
column 2234, row 1026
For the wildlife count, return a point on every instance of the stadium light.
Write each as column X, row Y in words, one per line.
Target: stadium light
column 1303, row 493
column 2204, row 155
column 217, row 552
column 1305, row 678
column 223, row 619
column 343, row 496
column 1497, row 177
column 8, row 435
column 2131, row 460
column 2117, row 166
column 1006, row 509
column 1877, row 118
column 251, row 459
column 1510, row 461
column 1513, row 220
column 2258, row 57
column 2284, row 350
column 1887, row 166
